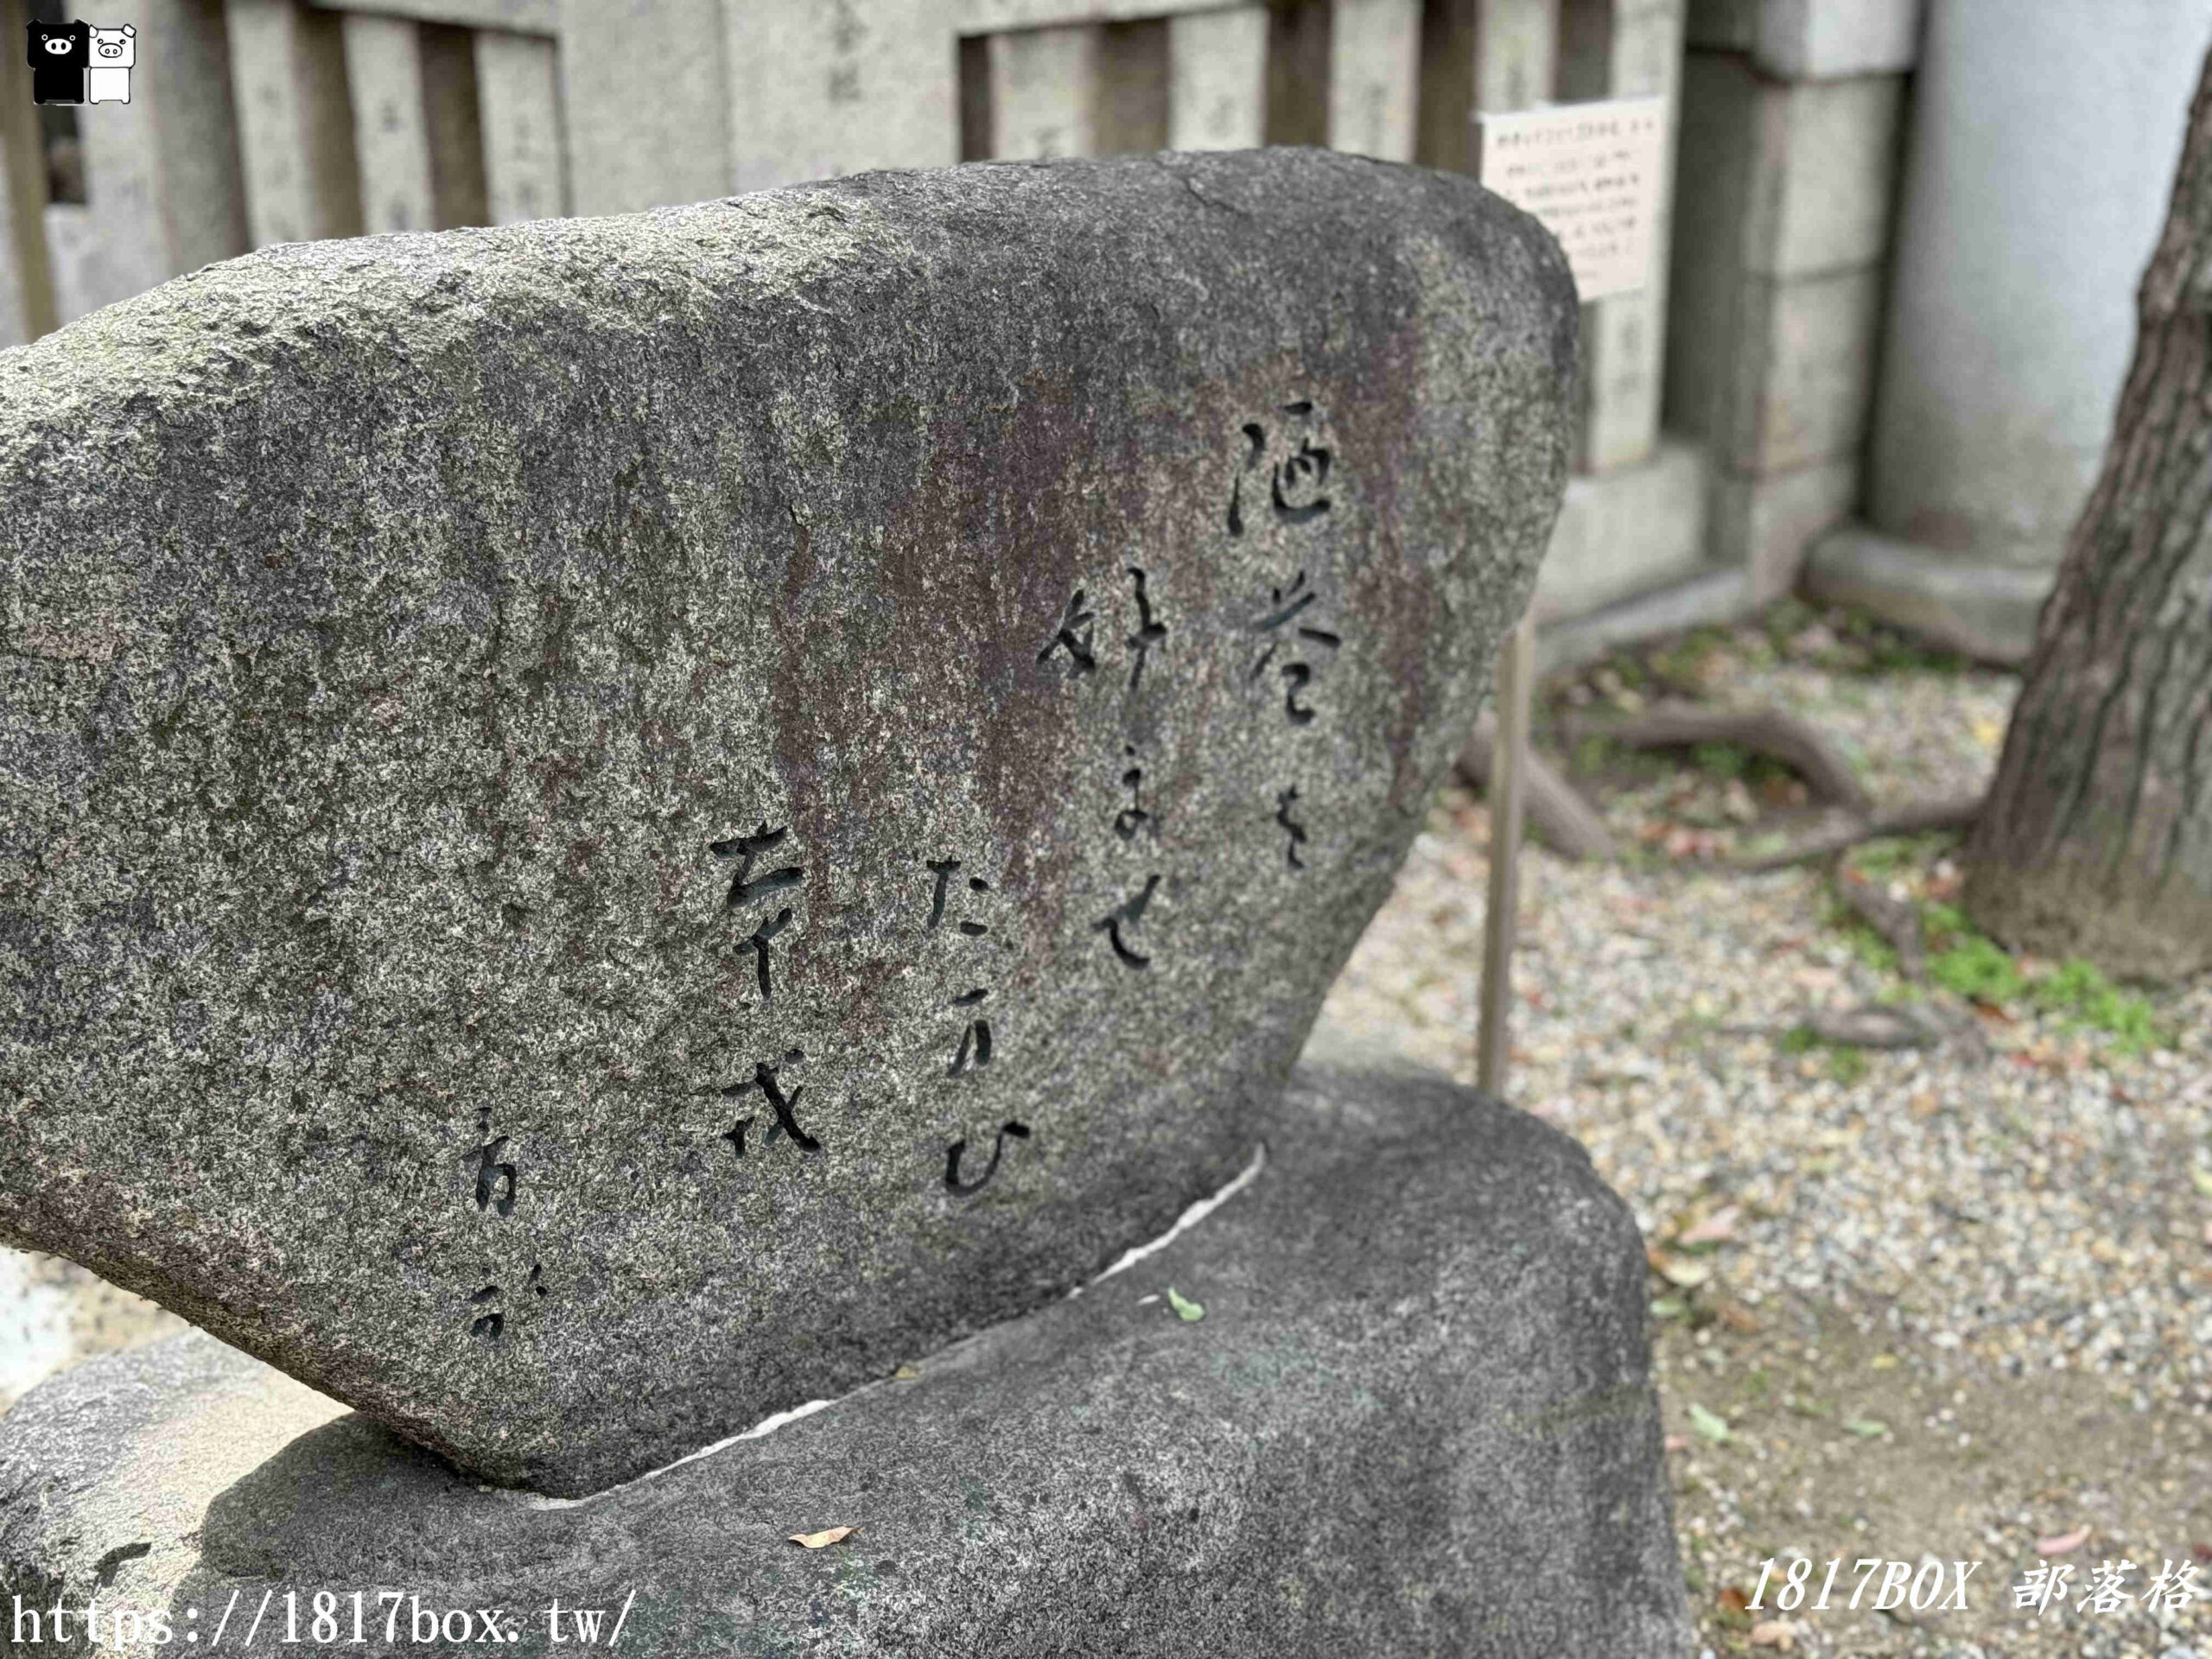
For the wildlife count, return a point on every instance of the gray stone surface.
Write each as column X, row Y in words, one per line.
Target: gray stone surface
column 2038, row 165
column 1625, row 532
column 1984, row 608
column 1716, row 595
column 1414, row 1419
column 1811, row 40
column 411, row 645
column 645, row 102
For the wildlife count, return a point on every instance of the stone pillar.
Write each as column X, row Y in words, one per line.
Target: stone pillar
column 25, row 278
column 518, row 104
column 1217, row 68
column 1043, row 93
column 455, row 125
column 1624, row 48
column 163, row 192
column 1374, row 70
column 645, row 97
column 2044, row 139
column 417, row 130
column 295, row 123
column 836, row 86
column 391, row 132
column 1074, row 89
column 1637, row 525
column 515, row 16
column 1476, row 57
column 1789, row 142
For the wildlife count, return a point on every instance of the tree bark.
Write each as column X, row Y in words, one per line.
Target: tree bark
column 2096, row 838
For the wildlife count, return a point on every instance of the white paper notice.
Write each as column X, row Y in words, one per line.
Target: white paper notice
column 1590, row 173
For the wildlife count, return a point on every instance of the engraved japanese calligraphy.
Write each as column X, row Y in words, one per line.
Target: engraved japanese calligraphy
column 652, row 816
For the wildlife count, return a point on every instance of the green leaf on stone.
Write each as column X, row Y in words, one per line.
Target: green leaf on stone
column 1669, row 1308
column 1711, row 1425
column 1187, row 1310
column 1865, row 1428
column 2204, row 1179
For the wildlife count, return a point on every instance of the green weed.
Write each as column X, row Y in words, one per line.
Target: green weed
column 1863, row 941
column 1721, row 760
column 1890, row 854
column 1978, row 970
column 2078, row 991
column 2075, row 992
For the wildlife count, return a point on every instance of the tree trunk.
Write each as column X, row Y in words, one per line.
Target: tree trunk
column 2096, row 838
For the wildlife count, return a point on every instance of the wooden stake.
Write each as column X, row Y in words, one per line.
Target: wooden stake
column 1516, row 673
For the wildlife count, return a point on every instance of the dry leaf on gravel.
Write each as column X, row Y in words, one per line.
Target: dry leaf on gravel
column 1719, row 1228
column 822, row 1540
column 1775, row 1633
column 1684, row 1275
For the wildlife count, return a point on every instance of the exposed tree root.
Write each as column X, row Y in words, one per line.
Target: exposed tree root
column 1764, row 731
column 1894, row 919
column 1876, row 1024
column 1914, row 818
column 1569, row 824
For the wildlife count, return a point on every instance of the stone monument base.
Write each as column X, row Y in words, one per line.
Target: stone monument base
column 1414, row 1418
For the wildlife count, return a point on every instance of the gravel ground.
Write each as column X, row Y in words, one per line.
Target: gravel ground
column 1952, row 1305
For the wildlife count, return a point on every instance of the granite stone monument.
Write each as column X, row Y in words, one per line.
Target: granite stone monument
column 613, row 825
column 610, row 829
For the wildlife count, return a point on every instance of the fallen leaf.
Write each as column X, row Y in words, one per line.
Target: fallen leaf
column 1685, row 1275
column 822, row 1540
column 1864, row 1427
column 1883, row 1363
column 905, row 1374
column 2204, row 1179
column 1739, row 1318
column 1776, row 1633
column 1669, row 1308
column 1719, row 1228
column 1187, row 1310
column 1735, row 1601
column 2202, row 1552
column 1989, row 733
column 1711, row 1423
column 2064, row 1544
